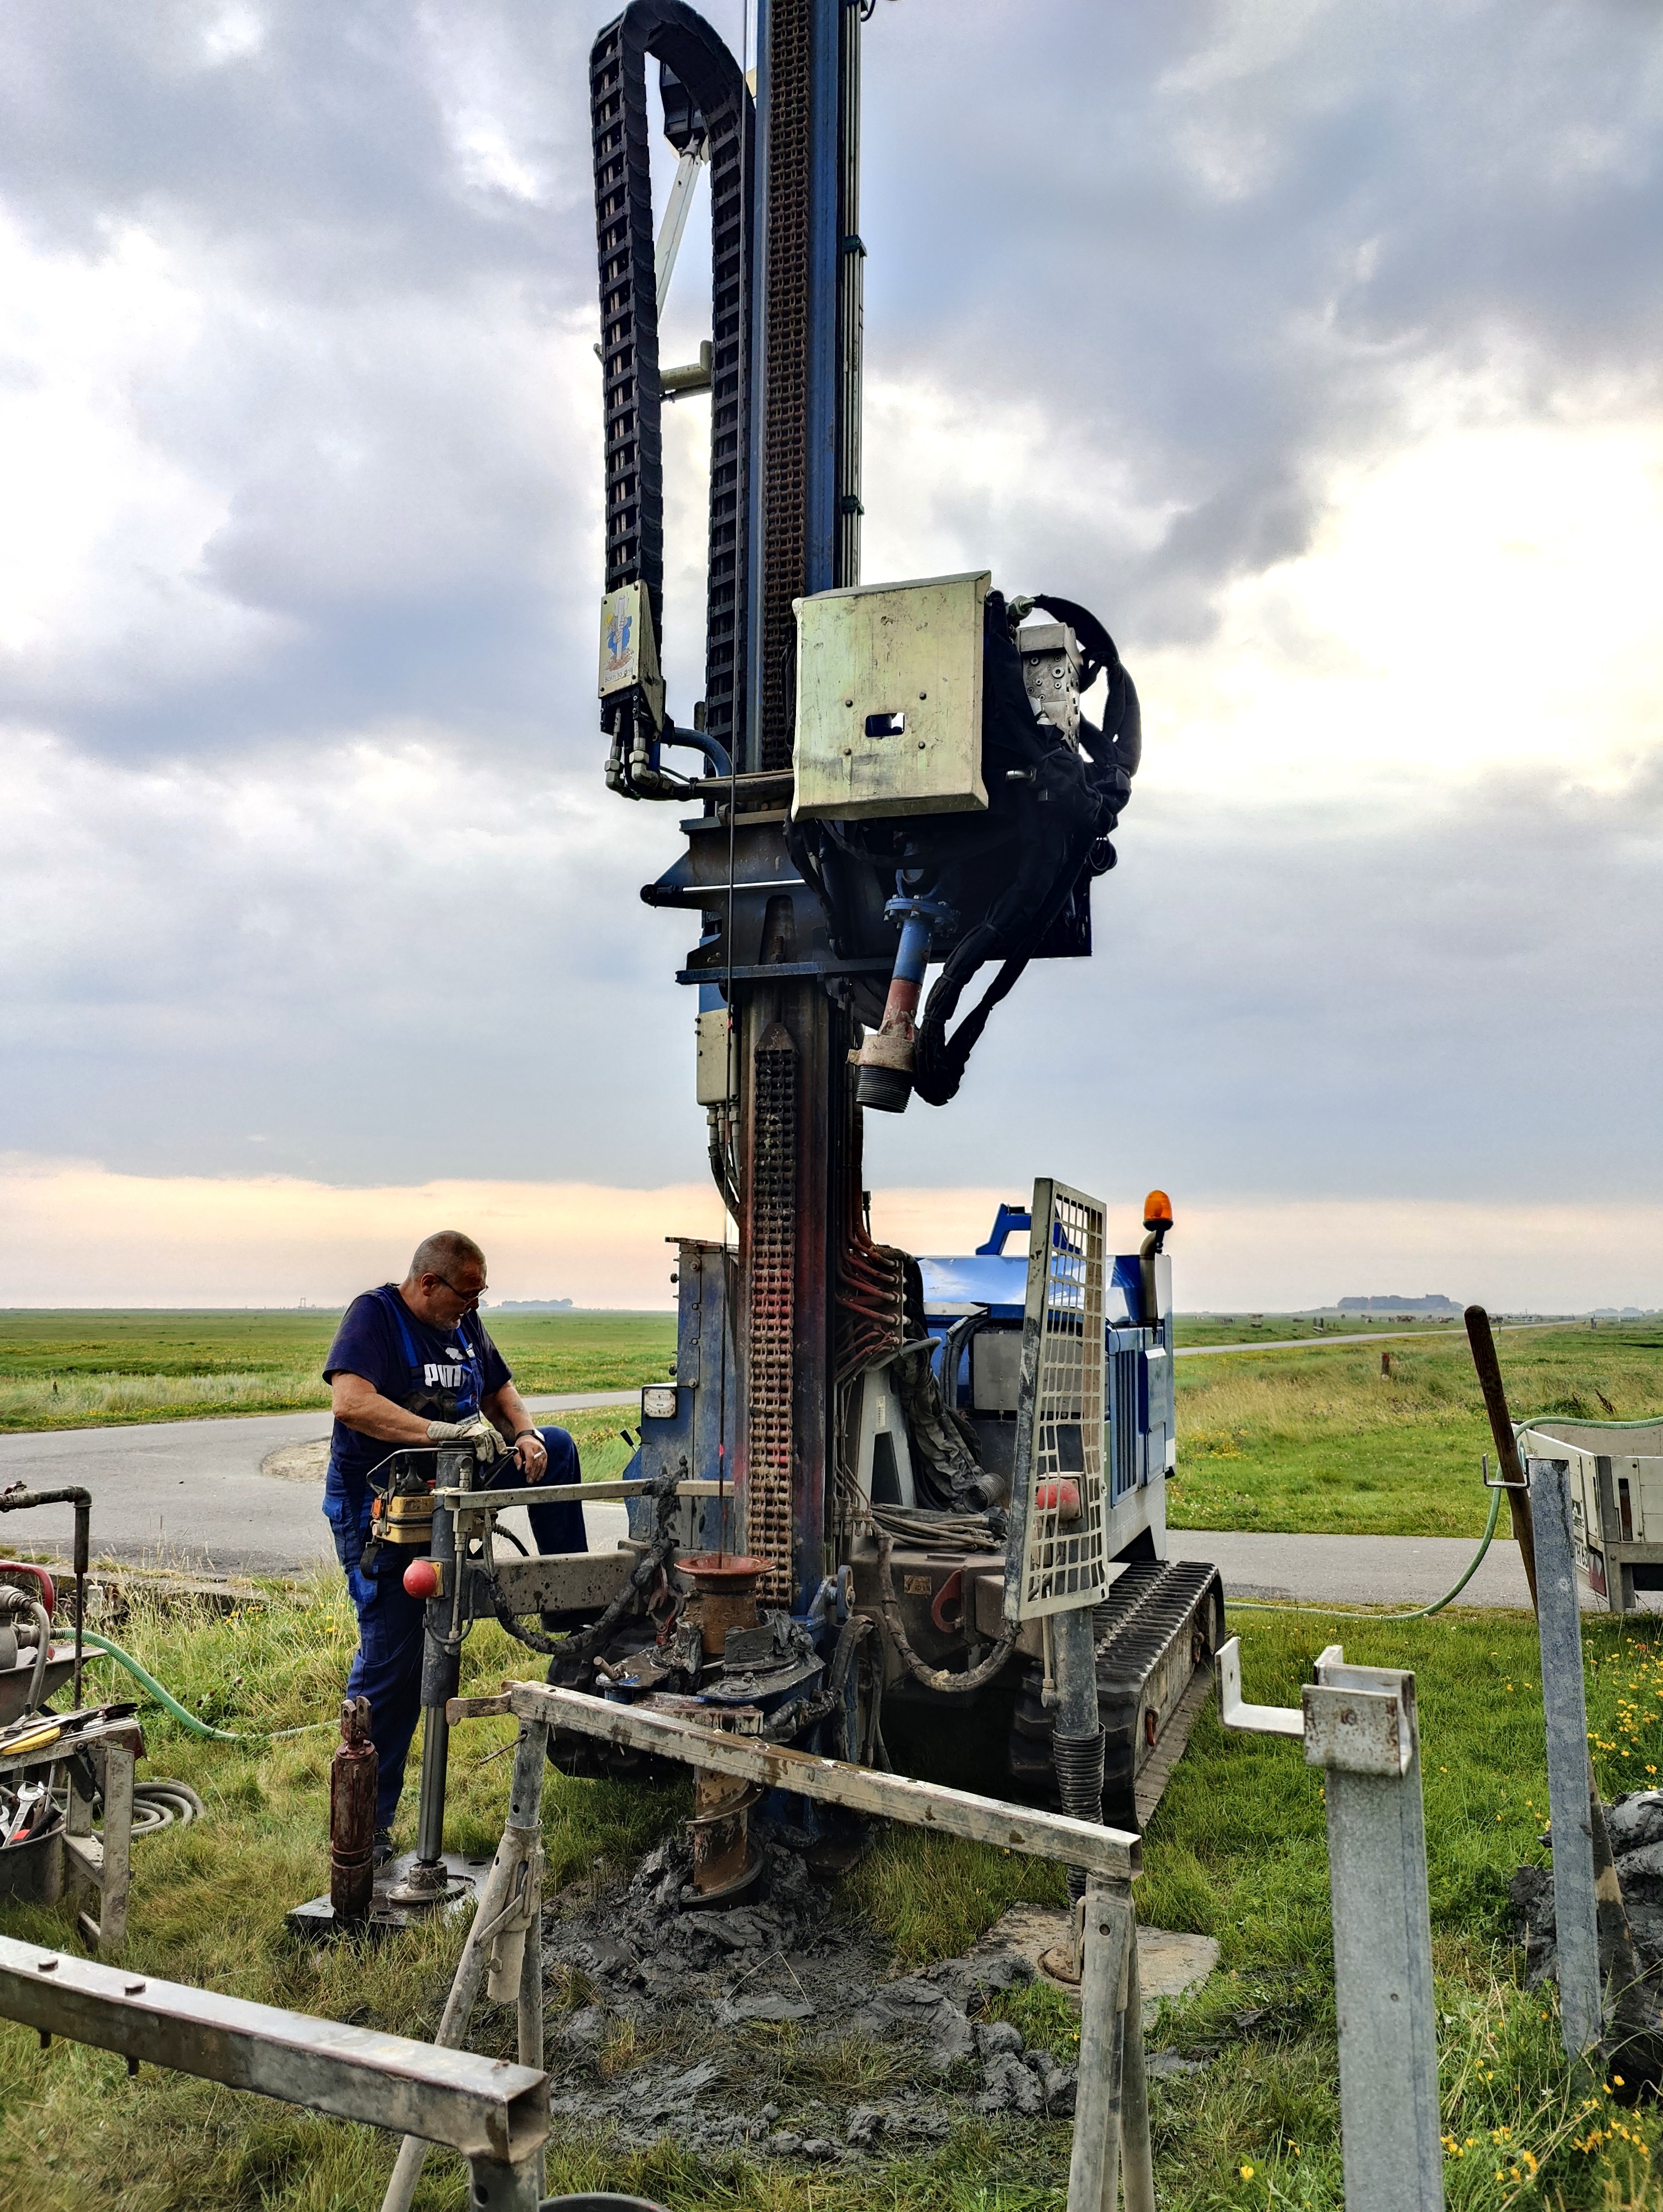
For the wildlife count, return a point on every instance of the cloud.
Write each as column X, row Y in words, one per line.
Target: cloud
column 370, row 955
column 79, row 1235
column 1225, row 251
column 1317, row 348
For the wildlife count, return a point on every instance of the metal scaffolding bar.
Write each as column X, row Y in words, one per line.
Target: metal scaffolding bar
column 496, row 2114
column 1115, row 1854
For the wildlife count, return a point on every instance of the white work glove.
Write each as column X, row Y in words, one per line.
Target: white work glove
column 487, row 1441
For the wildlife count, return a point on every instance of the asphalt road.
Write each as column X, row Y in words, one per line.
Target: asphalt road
column 1364, row 1570
column 190, row 1493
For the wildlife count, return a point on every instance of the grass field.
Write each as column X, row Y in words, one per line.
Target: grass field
column 1319, row 1441
column 1322, row 1441
column 1277, row 1328
column 1237, row 1850
column 81, row 1370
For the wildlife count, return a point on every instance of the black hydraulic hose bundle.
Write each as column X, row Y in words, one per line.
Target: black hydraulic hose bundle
column 1070, row 801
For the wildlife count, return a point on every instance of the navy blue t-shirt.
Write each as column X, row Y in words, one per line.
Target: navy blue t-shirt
column 404, row 1357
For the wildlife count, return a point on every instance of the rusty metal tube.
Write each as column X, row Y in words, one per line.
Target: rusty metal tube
column 352, row 1779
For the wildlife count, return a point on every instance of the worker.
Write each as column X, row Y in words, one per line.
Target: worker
column 403, row 1355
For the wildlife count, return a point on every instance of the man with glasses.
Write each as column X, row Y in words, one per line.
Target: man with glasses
column 411, row 1365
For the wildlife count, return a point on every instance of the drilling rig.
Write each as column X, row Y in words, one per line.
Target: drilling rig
column 878, row 780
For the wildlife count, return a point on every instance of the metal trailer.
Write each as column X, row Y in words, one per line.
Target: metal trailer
column 876, row 779
column 1615, row 1503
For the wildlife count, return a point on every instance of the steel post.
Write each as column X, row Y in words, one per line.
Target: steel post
column 1360, row 1727
column 1137, row 2178
column 1564, row 1706
column 439, row 1664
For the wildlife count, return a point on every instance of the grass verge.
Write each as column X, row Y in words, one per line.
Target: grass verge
column 1324, row 1442
column 1237, row 1851
column 75, row 1369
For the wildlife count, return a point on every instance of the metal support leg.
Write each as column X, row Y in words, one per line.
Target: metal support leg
column 117, row 1851
column 494, row 2188
column 1077, row 1738
column 1139, row 2181
column 530, row 2019
column 1360, row 1726
column 1094, row 2170
column 514, row 1878
column 1564, row 1705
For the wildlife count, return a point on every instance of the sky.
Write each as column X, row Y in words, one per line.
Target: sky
column 1316, row 347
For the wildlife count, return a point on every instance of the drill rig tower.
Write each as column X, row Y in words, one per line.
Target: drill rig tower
column 876, row 779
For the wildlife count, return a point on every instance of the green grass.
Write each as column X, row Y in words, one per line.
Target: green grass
column 1322, row 1441
column 1237, row 1850
column 81, row 1370
column 1280, row 1328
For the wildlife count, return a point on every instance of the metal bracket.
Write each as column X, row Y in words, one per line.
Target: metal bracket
column 1501, row 1482
column 1252, row 1720
column 1359, row 1726
column 1358, row 1719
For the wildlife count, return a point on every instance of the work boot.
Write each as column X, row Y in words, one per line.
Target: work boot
column 383, row 1851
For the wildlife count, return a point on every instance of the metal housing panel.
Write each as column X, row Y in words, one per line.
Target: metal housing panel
column 888, row 699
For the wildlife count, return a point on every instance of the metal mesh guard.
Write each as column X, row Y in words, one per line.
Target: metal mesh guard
column 1061, row 1410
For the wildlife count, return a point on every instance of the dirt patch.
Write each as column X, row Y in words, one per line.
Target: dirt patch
column 1169, row 1964
column 298, row 1463
column 779, row 2025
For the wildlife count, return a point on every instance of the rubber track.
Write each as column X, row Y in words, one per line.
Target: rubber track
column 1152, row 1607
column 632, row 397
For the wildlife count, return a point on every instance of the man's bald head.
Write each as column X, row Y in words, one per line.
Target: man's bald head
column 445, row 1253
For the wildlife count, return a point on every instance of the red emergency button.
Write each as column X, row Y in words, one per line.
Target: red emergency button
column 1059, row 1495
column 422, row 1578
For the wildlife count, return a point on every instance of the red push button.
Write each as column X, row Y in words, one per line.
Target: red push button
column 422, row 1578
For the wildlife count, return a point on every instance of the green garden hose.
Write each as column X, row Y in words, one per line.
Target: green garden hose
column 167, row 1700
column 1424, row 1612
column 1420, row 1613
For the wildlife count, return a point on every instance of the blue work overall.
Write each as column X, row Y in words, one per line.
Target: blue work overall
column 387, row 1666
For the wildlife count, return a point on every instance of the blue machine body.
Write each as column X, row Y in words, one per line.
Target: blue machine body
column 1142, row 1424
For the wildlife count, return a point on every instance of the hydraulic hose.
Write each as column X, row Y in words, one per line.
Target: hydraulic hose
column 933, row 1678
column 187, row 1719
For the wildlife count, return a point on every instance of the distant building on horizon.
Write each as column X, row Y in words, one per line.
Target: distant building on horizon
column 532, row 1305
column 1433, row 1302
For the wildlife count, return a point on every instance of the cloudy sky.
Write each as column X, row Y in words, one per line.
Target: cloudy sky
column 1315, row 345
